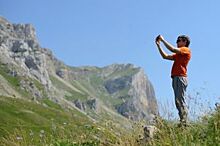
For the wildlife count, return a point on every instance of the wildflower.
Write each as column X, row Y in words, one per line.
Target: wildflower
column 99, row 128
column 41, row 133
column 31, row 133
column 19, row 138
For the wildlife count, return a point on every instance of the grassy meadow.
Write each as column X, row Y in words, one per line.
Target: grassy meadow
column 25, row 123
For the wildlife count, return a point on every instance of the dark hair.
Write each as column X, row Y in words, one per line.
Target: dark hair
column 186, row 38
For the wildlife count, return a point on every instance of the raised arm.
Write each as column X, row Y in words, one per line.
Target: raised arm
column 168, row 45
column 162, row 53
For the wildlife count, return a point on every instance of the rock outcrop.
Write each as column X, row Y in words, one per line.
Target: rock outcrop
column 19, row 47
column 139, row 100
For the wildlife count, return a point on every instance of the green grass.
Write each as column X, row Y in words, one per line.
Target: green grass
column 25, row 123
column 19, row 112
column 14, row 81
column 51, row 104
column 74, row 95
column 90, row 82
column 202, row 132
column 125, row 72
column 4, row 71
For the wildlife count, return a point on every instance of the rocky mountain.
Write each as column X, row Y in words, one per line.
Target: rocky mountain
column 31, row 72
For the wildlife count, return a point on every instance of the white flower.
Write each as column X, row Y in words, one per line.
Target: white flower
column 41, row 135
column 19, row 138
column 31, row 133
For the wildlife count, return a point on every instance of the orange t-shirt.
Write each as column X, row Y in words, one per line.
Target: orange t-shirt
column 180, row 62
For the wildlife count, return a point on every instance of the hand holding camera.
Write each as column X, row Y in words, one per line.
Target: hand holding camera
column 158, row 39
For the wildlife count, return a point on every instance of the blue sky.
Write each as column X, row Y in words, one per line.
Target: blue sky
column 103, row 32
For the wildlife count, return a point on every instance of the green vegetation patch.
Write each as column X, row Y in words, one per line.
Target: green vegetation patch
column 202, row 132
column 28, row 123
column 5, row 72
column 73, row 94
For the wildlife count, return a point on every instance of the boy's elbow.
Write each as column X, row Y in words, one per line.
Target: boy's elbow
column 167, row 57
column 164, row 57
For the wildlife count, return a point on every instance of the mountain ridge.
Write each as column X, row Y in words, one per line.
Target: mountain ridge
column 32, row 72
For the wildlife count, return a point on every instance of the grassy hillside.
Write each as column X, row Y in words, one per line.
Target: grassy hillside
column 28, row 116
column 46, row 123
column 204, row 132
column 26, row 123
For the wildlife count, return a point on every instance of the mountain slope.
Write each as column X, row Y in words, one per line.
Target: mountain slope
column 26, row 123
column 32, row 72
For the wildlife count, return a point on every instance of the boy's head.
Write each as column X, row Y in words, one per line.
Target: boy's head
column 185, row 39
